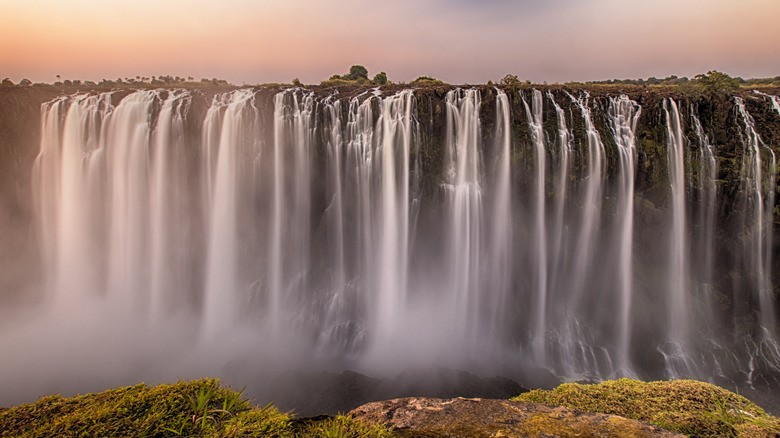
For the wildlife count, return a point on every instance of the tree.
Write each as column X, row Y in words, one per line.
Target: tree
column 7, row 82
column 25, row 82
column 380, row 78
column 358, row 71
column 716, row 82
column 510, row 81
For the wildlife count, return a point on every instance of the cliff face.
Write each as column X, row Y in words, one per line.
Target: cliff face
column 590, row 232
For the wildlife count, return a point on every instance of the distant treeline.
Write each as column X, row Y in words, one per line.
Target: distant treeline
column 712, row 81
column 674, row 80
column 154, row 81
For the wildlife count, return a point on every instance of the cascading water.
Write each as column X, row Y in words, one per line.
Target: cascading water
column 707, row 195
column 757, row 173
column 168, row 206
column 224, row 282
column 559, row 228
column 376, row 232
column 776, row 103
column 499, row 255
column 578, row 342
column 464, row 200
column 540, row 287
column 678, row 363
column 624, row 114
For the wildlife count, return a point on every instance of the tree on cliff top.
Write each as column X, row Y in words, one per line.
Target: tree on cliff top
column 716, row 82
column 356, row 72
column 357, row 75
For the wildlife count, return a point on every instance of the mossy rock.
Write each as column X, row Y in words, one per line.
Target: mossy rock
column 200, row 408
column 474, row 417
column 694, row 408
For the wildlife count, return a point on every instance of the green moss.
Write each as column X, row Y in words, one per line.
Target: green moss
column 341, row 426
column 690, row 407
column 200, row 408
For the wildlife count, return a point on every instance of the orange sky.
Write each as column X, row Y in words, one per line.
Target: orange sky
column 459, row 41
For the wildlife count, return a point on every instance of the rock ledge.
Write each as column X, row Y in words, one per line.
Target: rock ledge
column 476, row 417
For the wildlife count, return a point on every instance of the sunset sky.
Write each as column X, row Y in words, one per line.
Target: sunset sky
column 458, row 41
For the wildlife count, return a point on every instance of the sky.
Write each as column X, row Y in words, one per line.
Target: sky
column 457, row 41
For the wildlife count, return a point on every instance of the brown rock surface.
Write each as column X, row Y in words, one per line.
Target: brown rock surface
column 475, row 417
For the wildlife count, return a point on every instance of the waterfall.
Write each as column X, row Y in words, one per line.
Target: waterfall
column 475, row 228
column 759, row 198
column 560, row 236
column 168, row 205
column 707, row 188
column 330, row 336
column 289, row 236
column 223, row 282
column 539, row 228
column 678, row 307
column 464, row 200
column 69, row 166
column 499, row 256
column 624, row 114
column 579, row 343
column 394, row 129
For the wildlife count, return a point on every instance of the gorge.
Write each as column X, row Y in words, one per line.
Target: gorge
column 584, row 234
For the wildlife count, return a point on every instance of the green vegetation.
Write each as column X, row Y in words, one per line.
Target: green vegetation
column 200, row 408
column 358, row 75
column 713, row 81
column 203, row 408
column 426, row 81
column 340, row 427
column 690, row 407
column 380, row 78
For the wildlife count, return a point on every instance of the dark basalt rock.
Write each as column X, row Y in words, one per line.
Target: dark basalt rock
column 474, row 417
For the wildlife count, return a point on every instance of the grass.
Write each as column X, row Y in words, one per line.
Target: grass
column 204, row 408
column 200, row 408
column 693, row 408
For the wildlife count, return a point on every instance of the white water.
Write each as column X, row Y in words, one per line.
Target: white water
column 589, row 222
column 539, row 233
column 464, row 244
column 559, row 230
column 677, row 361
column 223, row 281
column 344, row 233
column 760, row 176
column 624, row 115
column 499, row 252
column 707, row 188
column 677, row 303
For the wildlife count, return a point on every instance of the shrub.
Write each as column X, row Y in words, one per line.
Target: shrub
column 140, row 410
column 380, row 78
column 200, row 408
column 690, row 407
column 426, row 80
column 357, row 72
column 716, row 82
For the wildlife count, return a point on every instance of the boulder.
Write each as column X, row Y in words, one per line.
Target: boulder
column 476, row 417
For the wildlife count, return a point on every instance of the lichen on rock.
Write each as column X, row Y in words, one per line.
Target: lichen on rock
column 475, row 417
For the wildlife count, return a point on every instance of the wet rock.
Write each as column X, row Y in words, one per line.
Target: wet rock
column 475, row 417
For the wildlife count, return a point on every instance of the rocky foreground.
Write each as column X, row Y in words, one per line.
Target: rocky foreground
column 204, row 408
column 475, row 417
